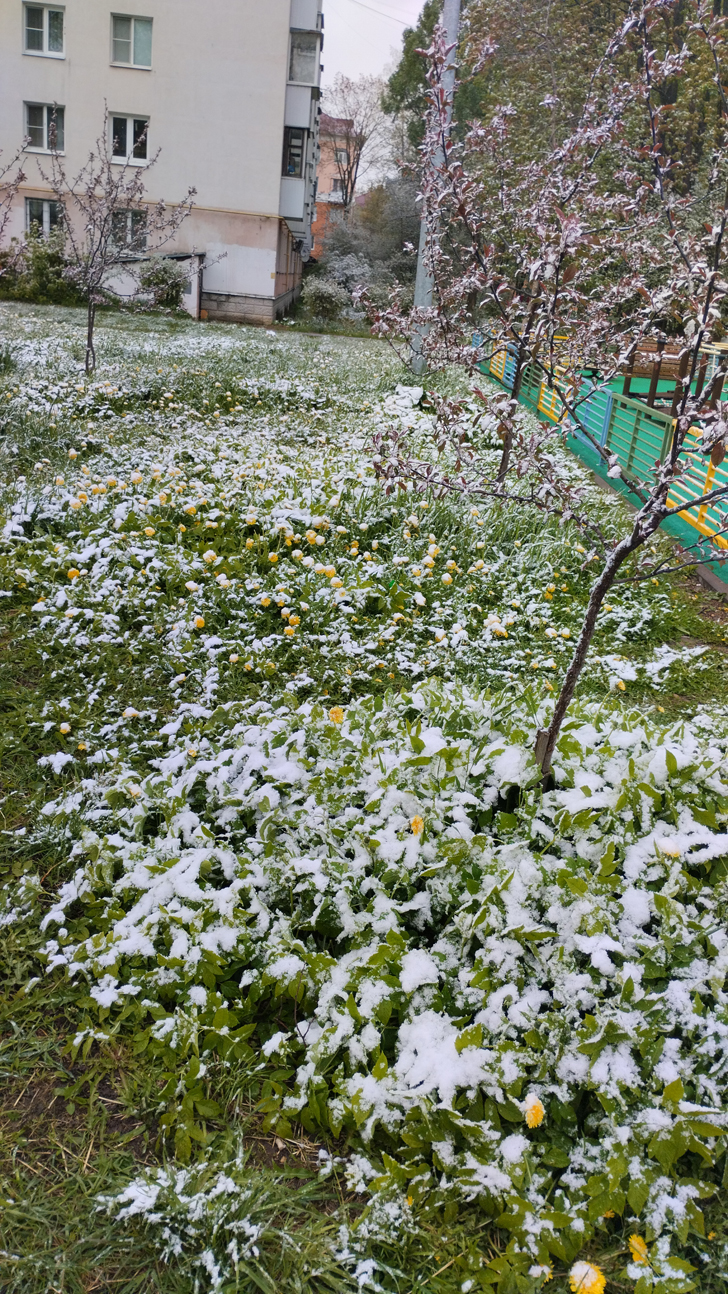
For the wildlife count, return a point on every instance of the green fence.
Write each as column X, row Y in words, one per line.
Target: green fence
column 638, row 435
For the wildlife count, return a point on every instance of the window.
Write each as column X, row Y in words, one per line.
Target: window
column 131, row 41
column 304, row 57
column 44, row 30
column 44, row 127
column 43, row 214
column 294, row 148
column 342, row 155
column 128, row 229
column 129, row 139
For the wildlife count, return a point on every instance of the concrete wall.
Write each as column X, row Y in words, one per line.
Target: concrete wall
column 215, row 96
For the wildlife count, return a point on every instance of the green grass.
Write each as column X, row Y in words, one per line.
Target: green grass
column 75, row 1128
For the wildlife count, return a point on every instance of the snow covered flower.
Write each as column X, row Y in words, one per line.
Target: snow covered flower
column 417, row 824
column 586, row 1278
column 336, row 714
column 534, row 1111
column 638, row 1249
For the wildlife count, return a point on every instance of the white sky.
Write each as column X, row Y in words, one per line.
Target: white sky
column 364, row 36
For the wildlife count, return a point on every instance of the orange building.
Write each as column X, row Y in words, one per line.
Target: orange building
column 334, row 134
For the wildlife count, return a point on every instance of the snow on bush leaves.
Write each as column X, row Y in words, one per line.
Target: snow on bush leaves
column 424, row 985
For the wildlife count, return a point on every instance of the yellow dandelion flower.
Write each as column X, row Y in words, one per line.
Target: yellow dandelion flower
column 417, row 824
column 73, row 573
column 534, row 1111
column 336, row 714
column 586, row 1278
column 199, row 622
column 638, row 1249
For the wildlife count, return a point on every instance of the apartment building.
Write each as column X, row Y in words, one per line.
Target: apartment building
column 334, row 136
column 226, row 90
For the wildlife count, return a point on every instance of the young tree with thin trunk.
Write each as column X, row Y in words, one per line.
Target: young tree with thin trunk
column 107, row 220
column 11, row 178
column 568, row 262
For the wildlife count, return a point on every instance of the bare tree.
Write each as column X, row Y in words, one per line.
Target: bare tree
column 106, row 218
column 11, row 178
column 358, row 130
column 567, row 263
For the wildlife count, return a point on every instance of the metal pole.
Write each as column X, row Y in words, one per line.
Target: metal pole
column 424, row 283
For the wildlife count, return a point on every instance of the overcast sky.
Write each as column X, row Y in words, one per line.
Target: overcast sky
column 365, row 35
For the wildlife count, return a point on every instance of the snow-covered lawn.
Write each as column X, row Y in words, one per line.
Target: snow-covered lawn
column 285, row 743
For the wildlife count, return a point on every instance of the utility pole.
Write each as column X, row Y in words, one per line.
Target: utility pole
column 424, row 285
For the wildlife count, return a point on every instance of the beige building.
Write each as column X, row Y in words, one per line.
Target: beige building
column 226, row 90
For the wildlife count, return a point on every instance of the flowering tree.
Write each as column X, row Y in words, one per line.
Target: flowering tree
column 11, row 178
column 570, row 261
column 107, row 220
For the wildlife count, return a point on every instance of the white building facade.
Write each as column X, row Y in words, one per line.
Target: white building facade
column 226, row 90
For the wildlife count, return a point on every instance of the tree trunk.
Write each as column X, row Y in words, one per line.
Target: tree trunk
column 90, row 352
column 547, row 737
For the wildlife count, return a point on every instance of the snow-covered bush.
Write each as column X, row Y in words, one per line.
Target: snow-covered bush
column 323, row 298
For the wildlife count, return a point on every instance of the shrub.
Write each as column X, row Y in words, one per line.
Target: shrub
column 324, row 299
column 163, row 281
column 37, row 272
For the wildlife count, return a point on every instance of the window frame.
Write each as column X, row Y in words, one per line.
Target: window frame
column 45, row 52
column 133, row 18
column 45, row 225
column 134, row 243
column 288, row 132
column 48, row 110
column 131, row 119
